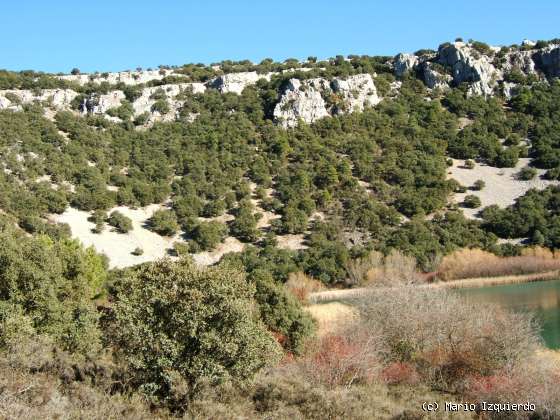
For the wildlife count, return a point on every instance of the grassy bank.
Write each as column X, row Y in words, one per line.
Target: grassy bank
column 338, row 295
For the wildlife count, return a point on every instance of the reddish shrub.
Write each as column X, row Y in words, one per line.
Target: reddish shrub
column 342, row 360
column 400, row 373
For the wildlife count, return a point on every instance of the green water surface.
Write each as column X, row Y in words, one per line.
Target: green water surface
column 542, row 298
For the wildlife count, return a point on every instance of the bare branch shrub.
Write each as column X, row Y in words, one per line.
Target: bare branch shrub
column 343, row 359
column 444, row 336
column 395, row 269
column 535, row 379
column 301, row 285
column 359, row 268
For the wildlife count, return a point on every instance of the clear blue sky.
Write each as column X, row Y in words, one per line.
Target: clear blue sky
column 115, row 35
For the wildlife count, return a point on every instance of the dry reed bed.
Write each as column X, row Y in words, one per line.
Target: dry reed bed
column 345, row 294
column 475, row 263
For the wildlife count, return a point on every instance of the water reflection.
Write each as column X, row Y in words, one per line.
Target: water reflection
column 542, row 298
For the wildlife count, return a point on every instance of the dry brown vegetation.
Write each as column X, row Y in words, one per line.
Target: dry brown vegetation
column 475, row 263
column 301, row 285
column 374, row 269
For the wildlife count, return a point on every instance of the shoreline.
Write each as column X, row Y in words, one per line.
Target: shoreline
column 341, row 294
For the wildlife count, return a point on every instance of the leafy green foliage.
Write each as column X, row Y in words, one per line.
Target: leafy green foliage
column 120, row 222
column 174, row 324
column 51, row 284
column 164, row 222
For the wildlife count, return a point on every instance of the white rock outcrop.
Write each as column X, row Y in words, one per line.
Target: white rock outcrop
column 126, row 77
column 404, row 63
column 470, row 66
column 305, row 99
column 301, row 100
column 58, row 99
column 434, row 79
column 548, row 60
column 236, row 82
column 521, row 61
column 356, row 92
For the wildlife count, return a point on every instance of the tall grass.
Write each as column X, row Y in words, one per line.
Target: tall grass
column 475, row 263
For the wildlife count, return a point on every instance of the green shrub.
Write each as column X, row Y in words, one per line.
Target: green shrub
column 120, row 222
column 164, row 222
column 527, row 173
column 472, row 201
column 200, row 324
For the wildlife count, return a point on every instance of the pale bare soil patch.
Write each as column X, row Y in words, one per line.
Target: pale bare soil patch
column 291, row 242
column 331, row 317
column 230, row 244
column 502, row 188
column 118, row 246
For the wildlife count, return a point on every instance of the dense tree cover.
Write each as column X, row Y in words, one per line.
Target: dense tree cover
column 534, row 216
column 47, row 287
column 360, row 173
column 396, row 152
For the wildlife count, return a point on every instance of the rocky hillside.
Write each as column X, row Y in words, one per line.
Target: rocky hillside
column 292, row 165
column 485, row 70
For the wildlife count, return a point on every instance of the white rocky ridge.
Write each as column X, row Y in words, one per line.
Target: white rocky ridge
column 236, row 82
column 304, row 100
column 126, row 77
column 484, row 72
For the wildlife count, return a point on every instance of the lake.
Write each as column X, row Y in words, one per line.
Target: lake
column 542, row 298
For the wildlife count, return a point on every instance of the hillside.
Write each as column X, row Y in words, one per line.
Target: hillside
column 217, row 148
column 162, row 230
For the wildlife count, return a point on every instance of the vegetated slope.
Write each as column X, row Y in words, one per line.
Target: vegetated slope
column 365, row 173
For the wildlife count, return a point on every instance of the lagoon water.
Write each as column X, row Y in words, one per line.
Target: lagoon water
column 541, row 298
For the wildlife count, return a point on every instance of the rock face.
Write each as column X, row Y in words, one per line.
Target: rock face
column 126, row 77
column 356, row 92
column 58, row 99
column 404, row 63
column 236, row 82
column 301, row 100
column 434, row 79
column 521, row 61
column 305, row 100
column 469, row 66
column 548, row 60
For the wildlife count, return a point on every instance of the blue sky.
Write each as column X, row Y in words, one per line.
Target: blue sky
column 101, row 35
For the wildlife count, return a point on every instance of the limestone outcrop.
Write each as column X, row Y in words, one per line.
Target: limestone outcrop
column 236, row 82
column 356, row 92
column 521, row 61
column 434, row 79
column 548, row 60
column 301, row 100
column 404, row 63
column 305, row 99
column 58, row 99
column 126, row 77
column 468, row 65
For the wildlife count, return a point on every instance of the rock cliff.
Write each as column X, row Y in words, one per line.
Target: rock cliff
column 305, row 100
